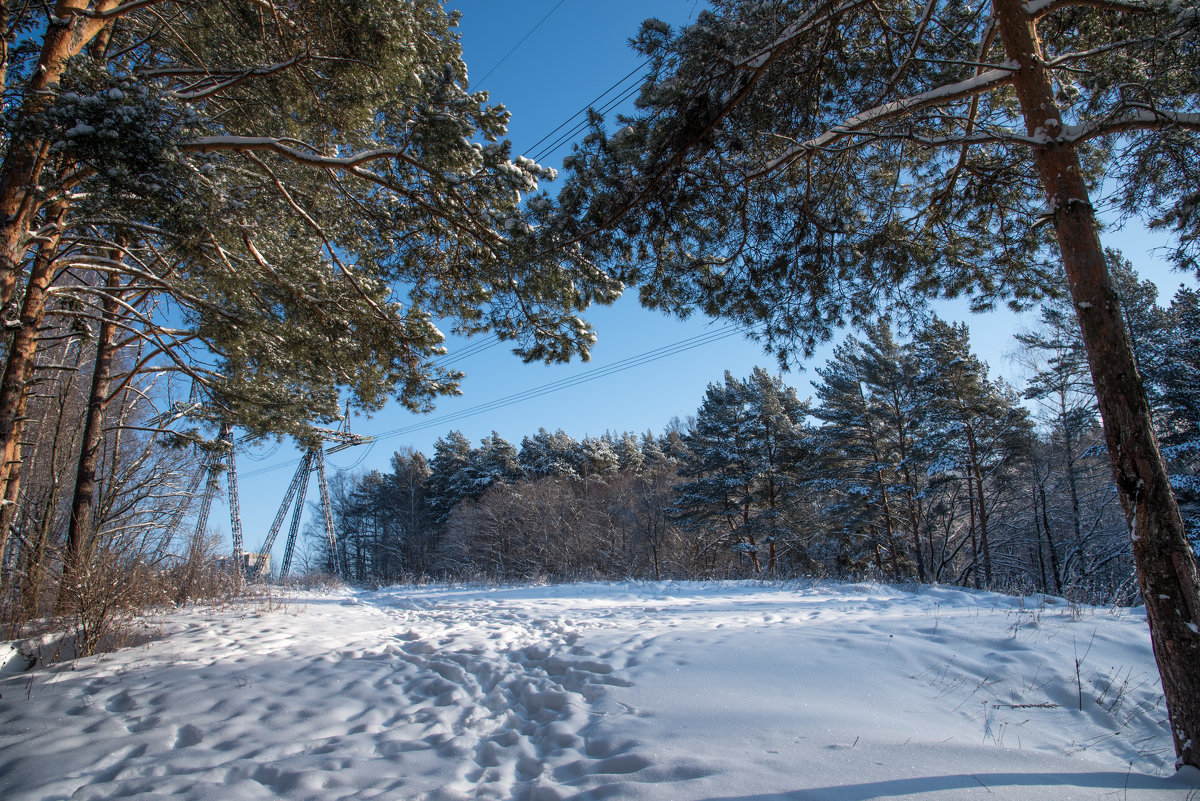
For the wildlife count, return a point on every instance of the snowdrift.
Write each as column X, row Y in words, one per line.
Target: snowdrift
column 595, row 691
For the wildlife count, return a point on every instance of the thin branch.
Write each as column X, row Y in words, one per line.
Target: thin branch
column 1040, row 8
column 244, row 76
column 244, row 144
column 861, row 122
column 1135, row 118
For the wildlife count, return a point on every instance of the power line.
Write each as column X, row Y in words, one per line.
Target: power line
column 469, row 351
column 521, row 42
column 594, row 374
column 591, row 103
column 580, row 126
column 620, row 366
column 262, row 471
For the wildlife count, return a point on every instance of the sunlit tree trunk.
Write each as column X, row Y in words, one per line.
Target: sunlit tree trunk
column 18, row 368
column 1166, row 567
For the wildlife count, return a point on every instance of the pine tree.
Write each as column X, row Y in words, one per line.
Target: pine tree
column 717, row 494
column 494, row 462
column 653, row 452
column 597, row 458
column 1178, row 375
column 778, row 440
column 408, row 491
column 857, row 468
column 276, row 204
column 741, row 448
column 799, row 165
column 546, row 454
column 979, row 424
column 629, row 454
column 1067, row 464
column 451, row 476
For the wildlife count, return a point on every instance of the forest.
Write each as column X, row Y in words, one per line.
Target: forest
column 912, row 463
column 245, row 221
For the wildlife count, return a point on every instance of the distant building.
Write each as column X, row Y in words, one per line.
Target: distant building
column 250, row 562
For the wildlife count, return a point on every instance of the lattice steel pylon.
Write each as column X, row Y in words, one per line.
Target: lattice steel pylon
column 312, row 461
column 235, row 504
column 214, row 469
column 211, row 464
column 185, row 501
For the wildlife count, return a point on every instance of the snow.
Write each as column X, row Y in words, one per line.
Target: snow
column 978, row 84
column 632, row 690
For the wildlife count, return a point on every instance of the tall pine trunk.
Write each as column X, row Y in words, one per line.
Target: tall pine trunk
column 81, row 528
column 976, row 474
column 18, row 368
column 21, row 170
column 974, row 541
column 1166, row 567
column 20, row 205
column 1050, row 546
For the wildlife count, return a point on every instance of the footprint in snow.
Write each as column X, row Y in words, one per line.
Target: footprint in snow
column 188, row 735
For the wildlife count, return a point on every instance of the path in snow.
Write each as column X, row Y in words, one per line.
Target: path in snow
column 640, row 691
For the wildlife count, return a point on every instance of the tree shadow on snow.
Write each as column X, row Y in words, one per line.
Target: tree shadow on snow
column 1105, row 781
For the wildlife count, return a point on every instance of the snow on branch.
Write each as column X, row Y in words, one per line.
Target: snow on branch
column 231, row 79
column 806, row 23
column 352, row 164
column 243, row 144
column 1136, row 118
column 1040, row 8
column 112, row 12
column 979, row 84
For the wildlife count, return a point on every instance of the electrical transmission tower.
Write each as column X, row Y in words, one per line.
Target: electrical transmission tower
column 313, row 461
column 213, row 462
column 222, row 459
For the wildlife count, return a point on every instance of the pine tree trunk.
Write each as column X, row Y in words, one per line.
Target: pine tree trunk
column 976, row 474
column 910, row 491
column 974, row 541
column 8, row 508
column 1072, row 478
column 35, row 562
column 1166, row 567
column 80, row 530
column 1054, row 568
column 889, row 530
column 1037, row 539
column 914, row 522
column 27, row 154
column 4, row 23
column 18, row 368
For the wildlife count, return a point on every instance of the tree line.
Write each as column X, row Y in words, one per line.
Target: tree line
column 910, row 463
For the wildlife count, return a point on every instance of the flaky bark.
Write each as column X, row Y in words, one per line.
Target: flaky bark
column 1166, row 568
column 21, row 204
column 19, row 174
column 18, row 368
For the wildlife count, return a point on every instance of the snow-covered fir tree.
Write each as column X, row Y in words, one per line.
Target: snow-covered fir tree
column 742, row 448
column 547, row 454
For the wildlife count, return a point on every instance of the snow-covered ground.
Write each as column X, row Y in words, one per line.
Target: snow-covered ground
column 597, row 691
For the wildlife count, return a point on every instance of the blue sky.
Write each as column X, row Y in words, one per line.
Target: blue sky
column 573, row 51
